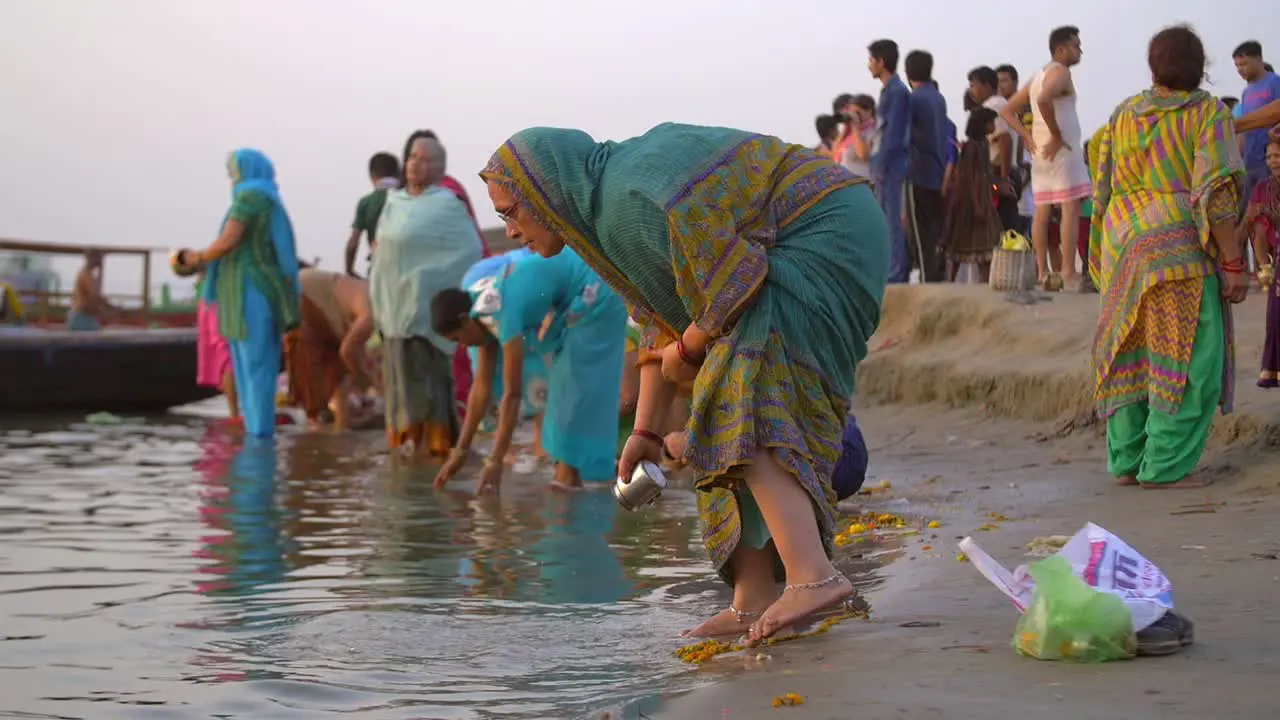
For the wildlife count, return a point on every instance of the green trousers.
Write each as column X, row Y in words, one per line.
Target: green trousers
column 1156, row 447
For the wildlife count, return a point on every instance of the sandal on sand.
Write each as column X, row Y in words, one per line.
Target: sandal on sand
column 1077, row 285
column 1166, row 636
column 855, row 604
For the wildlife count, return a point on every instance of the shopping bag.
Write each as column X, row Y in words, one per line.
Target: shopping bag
column 1068, row 620
column 1099, row 558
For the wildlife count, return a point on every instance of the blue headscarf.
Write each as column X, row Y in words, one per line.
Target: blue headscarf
column 252, row 171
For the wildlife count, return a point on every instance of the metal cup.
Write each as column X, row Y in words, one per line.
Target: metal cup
column 644, row 487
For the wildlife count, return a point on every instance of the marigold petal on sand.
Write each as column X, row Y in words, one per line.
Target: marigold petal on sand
column 789, row 699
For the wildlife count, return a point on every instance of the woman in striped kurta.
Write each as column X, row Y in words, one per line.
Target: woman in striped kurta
column 1164, row 257
column 760, row 266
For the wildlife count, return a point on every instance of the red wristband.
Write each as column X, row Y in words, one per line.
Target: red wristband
column 685, row 356
column 648, row 435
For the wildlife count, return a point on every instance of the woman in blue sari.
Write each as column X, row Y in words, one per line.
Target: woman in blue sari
column 587, row 338
column 479, row 278
column 252, row 275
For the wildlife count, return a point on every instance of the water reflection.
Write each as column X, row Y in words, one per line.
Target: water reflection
column 333, row 560
column 174, row 564
column 575, row 562
column 238, row 503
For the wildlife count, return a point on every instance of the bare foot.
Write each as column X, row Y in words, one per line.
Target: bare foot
column 799, row 602
column 559, row 486
column 726, row 622
column 1190, row 482
column 1126, row 481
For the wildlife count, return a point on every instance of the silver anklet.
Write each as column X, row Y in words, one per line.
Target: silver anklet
column 815, row 585
column 743, row 616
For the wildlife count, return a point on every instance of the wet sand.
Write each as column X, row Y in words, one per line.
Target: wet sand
column 1017, row 441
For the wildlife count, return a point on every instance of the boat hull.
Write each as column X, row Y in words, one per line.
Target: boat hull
column 108, row 370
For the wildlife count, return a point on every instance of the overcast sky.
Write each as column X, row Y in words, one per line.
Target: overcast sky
column 116, row 116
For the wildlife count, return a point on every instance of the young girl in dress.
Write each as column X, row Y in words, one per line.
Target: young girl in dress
column 973, row 221
column 1261, row 223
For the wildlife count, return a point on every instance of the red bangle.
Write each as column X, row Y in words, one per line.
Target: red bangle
column 648, row 435
column 685, row 356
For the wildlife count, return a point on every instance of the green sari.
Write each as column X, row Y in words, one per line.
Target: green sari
column 778, row 253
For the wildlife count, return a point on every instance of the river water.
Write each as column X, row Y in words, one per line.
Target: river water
column 168, row 569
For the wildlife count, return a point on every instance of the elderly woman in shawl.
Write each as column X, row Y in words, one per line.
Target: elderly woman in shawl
column 1164, row 256
column 1261, row 227
column 252, row 276
column 426, row 242
column 437, row 162
column 758, row 267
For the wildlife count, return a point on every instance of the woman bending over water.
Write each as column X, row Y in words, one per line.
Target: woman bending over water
column 479, row 278
column 251, row 274
column 758, row 267
column 586, row 338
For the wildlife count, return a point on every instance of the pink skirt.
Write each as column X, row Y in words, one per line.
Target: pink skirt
column 213, row 358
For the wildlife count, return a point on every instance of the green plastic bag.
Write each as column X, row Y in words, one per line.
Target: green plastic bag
column 1068, row 620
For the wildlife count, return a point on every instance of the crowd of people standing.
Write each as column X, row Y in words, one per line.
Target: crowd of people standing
column 951, row 198
column 1169, row 206
column 953, row 206
column 713, row 290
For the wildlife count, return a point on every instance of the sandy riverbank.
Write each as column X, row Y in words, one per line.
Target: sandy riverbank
column 1017, row 441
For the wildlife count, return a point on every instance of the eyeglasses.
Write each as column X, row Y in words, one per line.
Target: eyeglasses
column 509, row 215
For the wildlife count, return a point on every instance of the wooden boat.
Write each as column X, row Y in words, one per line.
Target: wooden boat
column 145, row 361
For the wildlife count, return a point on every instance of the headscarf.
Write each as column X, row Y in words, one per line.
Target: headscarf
column 553, row 173
column 251, row 171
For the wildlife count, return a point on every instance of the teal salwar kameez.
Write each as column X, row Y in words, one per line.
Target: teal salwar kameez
column 256, row 289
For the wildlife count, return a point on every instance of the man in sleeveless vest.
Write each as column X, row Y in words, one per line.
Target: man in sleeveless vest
column 1059, row 175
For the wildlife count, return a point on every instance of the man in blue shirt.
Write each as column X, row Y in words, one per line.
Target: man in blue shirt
column 889, row 162
column 1263, row 88
column 928, row 165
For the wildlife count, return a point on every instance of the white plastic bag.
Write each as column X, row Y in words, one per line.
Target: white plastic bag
column 1101, row 559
